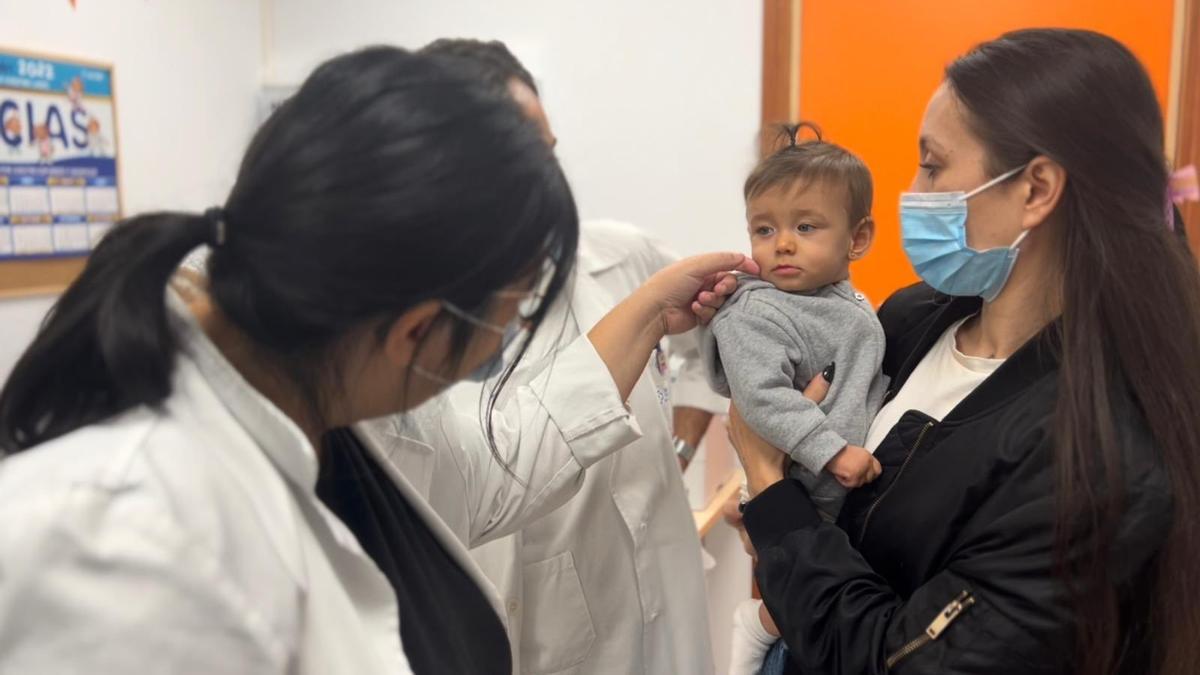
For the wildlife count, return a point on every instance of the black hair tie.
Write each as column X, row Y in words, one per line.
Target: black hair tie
column 216, row 217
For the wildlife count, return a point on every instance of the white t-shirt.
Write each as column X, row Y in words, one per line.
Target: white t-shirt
column 939, row 383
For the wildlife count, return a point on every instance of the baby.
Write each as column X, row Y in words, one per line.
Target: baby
column 808, row 209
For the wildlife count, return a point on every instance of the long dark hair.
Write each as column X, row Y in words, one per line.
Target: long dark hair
column 491, row 61
column 1130, row 318
column 385, row 181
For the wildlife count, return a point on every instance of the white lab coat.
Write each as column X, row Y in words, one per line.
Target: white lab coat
column 189, row 539
column 610, row 582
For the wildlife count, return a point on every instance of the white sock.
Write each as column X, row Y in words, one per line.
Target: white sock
column 750, row 640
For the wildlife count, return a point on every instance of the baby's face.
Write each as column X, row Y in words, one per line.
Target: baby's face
column 801, row 235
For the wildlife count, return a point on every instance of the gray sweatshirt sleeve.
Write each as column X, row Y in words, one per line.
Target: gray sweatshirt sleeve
column 757, row 358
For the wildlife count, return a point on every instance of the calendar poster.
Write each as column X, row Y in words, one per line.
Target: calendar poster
column 59, row 190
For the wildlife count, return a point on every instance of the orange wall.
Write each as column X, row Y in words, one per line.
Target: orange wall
column 867, row 67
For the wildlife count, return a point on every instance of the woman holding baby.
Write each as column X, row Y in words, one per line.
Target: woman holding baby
column 1040, row 486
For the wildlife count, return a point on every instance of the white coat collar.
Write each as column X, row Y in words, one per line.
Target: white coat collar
column 597, row 255
column 441, row 531
column 280, row 438
column 282, row 441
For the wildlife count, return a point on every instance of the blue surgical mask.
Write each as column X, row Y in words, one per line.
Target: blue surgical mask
column 934, row 229
column 495, row 364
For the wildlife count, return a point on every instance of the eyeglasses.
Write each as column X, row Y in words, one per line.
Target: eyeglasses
column 529, row 302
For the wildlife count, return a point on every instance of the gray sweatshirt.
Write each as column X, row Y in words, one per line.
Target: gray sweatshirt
column 763, row 348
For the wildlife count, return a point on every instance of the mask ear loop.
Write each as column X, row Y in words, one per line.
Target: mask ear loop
column 1014, row 251
column 995, row 181
column 1020, row 239
column 473, row 320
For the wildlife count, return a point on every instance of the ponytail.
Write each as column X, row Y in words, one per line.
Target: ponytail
column 106, row 345
column 321, row 243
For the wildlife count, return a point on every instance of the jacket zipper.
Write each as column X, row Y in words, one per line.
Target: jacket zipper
column 938, row 626
column 908, row 458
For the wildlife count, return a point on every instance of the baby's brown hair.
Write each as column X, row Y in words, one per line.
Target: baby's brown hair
column 813, row 159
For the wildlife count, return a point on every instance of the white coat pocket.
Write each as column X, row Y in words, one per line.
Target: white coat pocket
column 555, row 604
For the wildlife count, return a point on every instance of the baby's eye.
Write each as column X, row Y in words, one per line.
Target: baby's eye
column 763, row 230
column 806, row 227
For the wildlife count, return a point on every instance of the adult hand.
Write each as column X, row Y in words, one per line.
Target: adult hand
column 762, row 462
column 723, row 285
column 691, row 290
column 816, row 391
column 665, row 305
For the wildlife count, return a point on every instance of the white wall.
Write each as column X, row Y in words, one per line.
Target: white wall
column 19, row 319
column 186, row 76
column 655, row 102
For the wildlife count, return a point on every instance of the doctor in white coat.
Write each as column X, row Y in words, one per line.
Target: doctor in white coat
column 181, row 490
column 611, row 581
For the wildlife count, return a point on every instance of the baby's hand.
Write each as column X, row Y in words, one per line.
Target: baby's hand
column 854, row 467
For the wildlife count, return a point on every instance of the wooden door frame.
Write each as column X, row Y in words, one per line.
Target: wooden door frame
column 780, row 66
column 1183, row 113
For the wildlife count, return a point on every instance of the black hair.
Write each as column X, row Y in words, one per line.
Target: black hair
column 490, row 62
column 387, row 180
column 1178, row 225
column 1083, row 100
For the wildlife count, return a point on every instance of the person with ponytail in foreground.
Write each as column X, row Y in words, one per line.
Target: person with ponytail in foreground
column 183, row 487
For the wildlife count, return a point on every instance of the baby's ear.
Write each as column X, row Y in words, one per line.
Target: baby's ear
column 862, row 238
